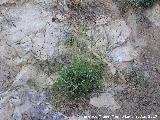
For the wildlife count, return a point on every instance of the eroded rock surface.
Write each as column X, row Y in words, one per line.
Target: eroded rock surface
column 25, row 99
column 27, row 32
column 105, row 100
column 32, row 29
column 154, row 15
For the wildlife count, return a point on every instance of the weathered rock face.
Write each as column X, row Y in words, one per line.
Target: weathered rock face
column 7, row 75
column 33, row 29
column 6, row 1
column 105, row 100
column 124, row 54
column 118, row 32
column 113, row 39
column 26, row 99
column 28, row 31
column 154, row 15
column 122, row 40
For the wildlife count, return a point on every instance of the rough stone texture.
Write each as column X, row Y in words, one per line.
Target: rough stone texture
column 32, row 73
column 123, row 54
column 105, row 100
column 118, row 32
column 29, row 30
column 112, row 36
column 114, row 32
column 26, row 102
column 6, row 1
column 154, row 15
column 7, row 75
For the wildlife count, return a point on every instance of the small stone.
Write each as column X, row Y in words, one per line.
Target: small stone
column 27, row 72
column 123, row 54
column 47, row 109
column 104, row 100
column 103, row 20
column 60, row 17
column 15, row 100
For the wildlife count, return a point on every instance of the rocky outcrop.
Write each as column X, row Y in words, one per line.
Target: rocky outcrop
column 25, row 98
column 27, row 31
column 35, row 29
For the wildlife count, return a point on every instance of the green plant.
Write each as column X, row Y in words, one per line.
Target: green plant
column 78, row 79
column 79, row 7
column 124, row 5
column 143, row 3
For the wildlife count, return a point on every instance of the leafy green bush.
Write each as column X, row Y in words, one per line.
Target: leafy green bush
column 78, row 79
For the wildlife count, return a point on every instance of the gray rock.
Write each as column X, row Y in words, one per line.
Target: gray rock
column 15, row 100
column 7, row 1
column 123, row 54
column 154, row 15
column 118, row 32
column 105, row 100
column 30, row 32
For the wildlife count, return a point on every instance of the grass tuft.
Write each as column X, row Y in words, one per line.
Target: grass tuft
column 78, row 79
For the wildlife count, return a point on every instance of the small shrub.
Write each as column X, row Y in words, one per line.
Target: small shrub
column 78, row 79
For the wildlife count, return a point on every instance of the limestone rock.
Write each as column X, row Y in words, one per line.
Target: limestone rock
column 118, row 32
column 7, row 1
column 124, row 54
column 109, row 33
column 105, row 100
column 23, row 103
column 154, row 15
column 28, row 31
column 34, row 75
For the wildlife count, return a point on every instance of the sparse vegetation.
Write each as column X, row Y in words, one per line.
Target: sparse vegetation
column 143, row 3
column 84, row 74
column 78, row 6
column 136, row 77
column 78, row 79
column 54, row 64
column 124, row 5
